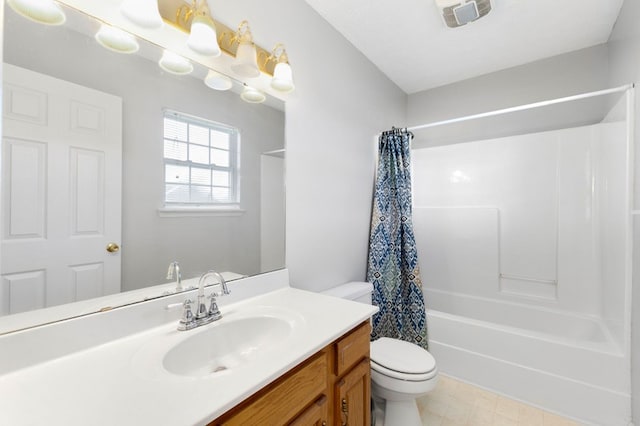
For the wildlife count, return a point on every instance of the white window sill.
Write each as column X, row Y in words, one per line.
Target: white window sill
column 199, row 211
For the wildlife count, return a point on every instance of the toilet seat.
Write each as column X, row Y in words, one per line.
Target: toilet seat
column 402, row 360
column 402, row 376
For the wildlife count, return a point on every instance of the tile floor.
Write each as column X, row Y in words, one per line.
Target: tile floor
column 458, row 403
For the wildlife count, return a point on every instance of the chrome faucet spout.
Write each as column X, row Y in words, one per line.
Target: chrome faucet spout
column 174, row 268
column 223, row 284
column 213, row 313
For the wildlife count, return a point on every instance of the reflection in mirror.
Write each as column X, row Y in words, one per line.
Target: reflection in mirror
column 113, row 168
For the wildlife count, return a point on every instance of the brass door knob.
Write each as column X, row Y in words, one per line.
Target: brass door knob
column 113, row 248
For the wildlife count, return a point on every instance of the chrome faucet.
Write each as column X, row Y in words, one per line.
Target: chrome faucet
column 203, row 315
column 174, row 268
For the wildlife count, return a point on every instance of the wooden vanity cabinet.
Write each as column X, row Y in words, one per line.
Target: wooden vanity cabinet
column 332, row 387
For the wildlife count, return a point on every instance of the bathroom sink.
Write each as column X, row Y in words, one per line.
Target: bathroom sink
column 225, row 345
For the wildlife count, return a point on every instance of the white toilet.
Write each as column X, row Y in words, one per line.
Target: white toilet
column 400, row 371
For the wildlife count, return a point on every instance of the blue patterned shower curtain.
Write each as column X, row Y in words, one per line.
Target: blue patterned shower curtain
column 393, row 259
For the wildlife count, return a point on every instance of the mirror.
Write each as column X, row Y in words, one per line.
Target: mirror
column 41, row 281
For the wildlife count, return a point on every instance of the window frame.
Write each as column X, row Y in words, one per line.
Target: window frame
column 232, row 205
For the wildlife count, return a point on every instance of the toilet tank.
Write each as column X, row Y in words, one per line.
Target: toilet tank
column 356, row 291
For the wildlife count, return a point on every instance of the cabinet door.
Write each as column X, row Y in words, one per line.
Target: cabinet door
column 353, row 397
column 315, row 415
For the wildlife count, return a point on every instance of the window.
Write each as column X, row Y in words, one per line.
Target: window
column 200, row 161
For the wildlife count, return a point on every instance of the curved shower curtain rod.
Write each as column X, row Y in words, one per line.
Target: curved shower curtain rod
column 521, row 107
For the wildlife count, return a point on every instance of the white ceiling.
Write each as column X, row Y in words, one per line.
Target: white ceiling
column 409, row 42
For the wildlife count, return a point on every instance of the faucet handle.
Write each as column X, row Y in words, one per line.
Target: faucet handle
column 214, row 311
column 188, row 321
column 174, row 306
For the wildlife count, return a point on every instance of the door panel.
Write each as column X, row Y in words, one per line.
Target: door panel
column 353, row 405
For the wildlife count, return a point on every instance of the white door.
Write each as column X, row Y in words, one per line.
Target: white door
column 61, row 192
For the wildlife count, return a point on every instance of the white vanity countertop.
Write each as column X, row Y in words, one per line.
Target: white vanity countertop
column 123, row 383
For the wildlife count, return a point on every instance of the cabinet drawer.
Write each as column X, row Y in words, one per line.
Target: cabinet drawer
column 283, row 401
column 316, row 415
column 352, row 348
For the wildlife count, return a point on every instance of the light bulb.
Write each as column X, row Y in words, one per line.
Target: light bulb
column 217, row 81
column 175, row 64
column 282, row 77
column 116, row 39
column 203, row 38
column 252, row 95
column 41, row 11
column 143, row 13
column 246, row 63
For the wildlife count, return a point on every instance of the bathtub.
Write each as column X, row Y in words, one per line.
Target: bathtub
column 565, row 363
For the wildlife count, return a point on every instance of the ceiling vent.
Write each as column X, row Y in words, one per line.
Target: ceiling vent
column 457, row 13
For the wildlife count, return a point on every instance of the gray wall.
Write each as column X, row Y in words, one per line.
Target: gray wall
column 340, row 103
column 150, row 242
column 564, row 75
column 624, row 63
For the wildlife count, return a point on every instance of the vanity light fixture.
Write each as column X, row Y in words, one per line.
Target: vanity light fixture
column 246, row 63
column 252, row 95
column 282, row 75
column 217, row 81
column 143, row 13
column 45, row 12
column 250, row 59
column 175, row 64
column 116, row 39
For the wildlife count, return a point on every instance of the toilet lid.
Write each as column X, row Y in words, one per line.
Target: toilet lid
column 402, row 357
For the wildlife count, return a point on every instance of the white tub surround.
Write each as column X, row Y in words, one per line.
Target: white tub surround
column 525, row 253
column 574, row 376
column 111, row 373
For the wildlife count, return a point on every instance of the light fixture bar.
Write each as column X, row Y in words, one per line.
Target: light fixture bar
column 226, row 39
